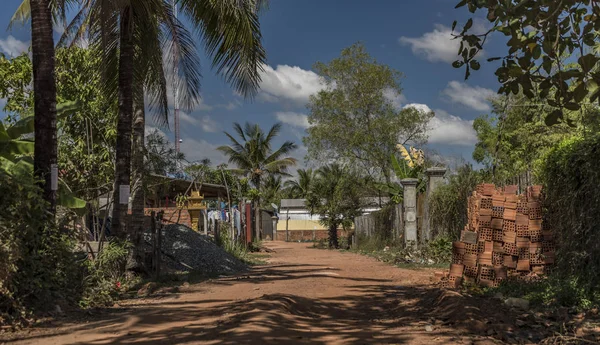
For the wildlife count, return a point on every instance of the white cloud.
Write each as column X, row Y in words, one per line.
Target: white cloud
column 205, row 122
column 59, row 29
column 12, row 46
column 422, row 107
column 394, row 97
column 196, row 150
column 475, row 97
column 288, row 83
column 448, row 129
column 228, row 106
column 292, row 119
column 451, row 130
column 437, row 45
column 202, row 106
column 151, row 129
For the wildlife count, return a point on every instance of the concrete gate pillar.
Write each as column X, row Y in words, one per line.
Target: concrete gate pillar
column 410, row 210
column 274, row 219
column 435, row 177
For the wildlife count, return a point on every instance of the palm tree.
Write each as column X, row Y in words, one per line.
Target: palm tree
column 335, row 198
column 145, row 31
column 271, row 190
column 44, row 86
column 255, row 158
column 301, row 187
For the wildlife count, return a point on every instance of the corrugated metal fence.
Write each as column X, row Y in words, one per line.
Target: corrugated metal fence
column 385, row 222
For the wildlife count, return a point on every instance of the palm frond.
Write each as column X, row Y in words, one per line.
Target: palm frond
column 21, row 15
column 285, row 149
column 182, row 57
column 240, row 131
column 231, row 33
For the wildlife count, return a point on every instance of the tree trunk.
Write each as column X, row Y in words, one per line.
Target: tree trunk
column 123, row 148
column 44, row 86
column 137, row 188
column 333, row 237
column 257, row 230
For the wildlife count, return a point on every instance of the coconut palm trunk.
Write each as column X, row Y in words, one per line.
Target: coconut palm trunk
column 257, row 230
column 124, row 123
column 137, row 167
column 333, row 238
column 44, row 86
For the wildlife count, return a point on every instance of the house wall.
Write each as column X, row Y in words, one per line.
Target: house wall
column 307, row 235
column 172, row 215
column 302, row 226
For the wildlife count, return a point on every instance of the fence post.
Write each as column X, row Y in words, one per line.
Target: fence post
column 410, row 210
column 159, row 243
column 154, row 238
column 435, row 177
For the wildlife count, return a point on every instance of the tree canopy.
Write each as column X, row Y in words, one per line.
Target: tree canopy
column 514, row 136
column 541, row 34
column 356, row 118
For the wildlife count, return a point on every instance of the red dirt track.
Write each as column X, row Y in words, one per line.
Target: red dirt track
column 302, row 296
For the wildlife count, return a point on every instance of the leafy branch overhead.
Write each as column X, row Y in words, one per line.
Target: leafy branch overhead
column 552, row 49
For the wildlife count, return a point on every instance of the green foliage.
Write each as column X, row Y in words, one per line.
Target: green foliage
column 360, row 95
column 271, row 191
column 37, row 266
column 16, row 152
column 436, row 253
column 106, row 278
column 16, row 85
column 514, row 137
column 254, row 156
column 448, row 207
column 439, row 250
column 335, row 198
column 86, row 118
column 237, row 248
column 88, row 133
column 300, row 188
column 555, row 291
column 161, row 156
column 571, row 198
column 541, row 34
column 202, row 172
column 411, row 166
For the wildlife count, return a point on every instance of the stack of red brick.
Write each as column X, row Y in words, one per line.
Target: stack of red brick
column 504, row 238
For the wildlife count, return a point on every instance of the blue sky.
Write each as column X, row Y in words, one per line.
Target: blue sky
column 410, row 36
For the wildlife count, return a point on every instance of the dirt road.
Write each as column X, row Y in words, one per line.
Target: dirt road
column 303, row 296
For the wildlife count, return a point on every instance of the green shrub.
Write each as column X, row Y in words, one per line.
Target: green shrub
column 448, row 208
column 555, row 291
column 106, row 278
column 237, row 248
column 571, row 180
column 37, row 267
column 439, row 250
column 436, row 252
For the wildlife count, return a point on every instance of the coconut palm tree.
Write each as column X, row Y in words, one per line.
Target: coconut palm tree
column 254, row 157
column 44, row 95
column 300, row 187
column 41, row 13
column 271, row 190
column 146, row 31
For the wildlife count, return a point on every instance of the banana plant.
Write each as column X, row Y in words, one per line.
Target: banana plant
column 16, row 153
column 410, row 166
